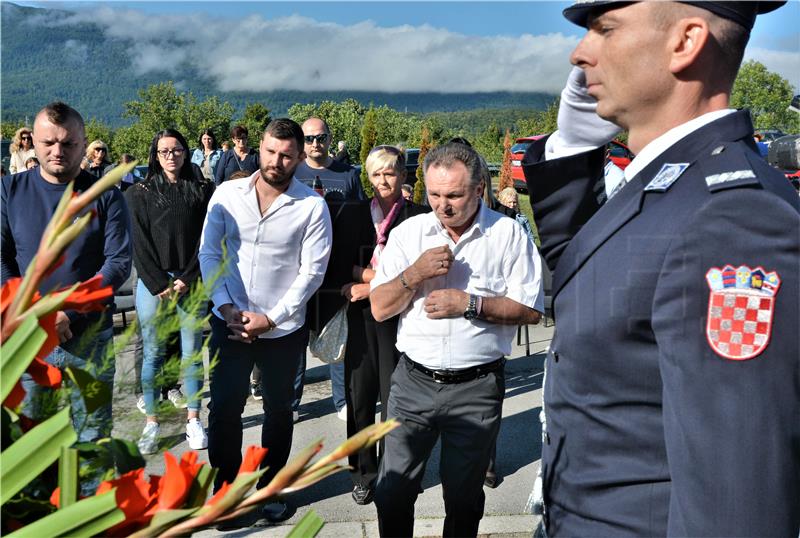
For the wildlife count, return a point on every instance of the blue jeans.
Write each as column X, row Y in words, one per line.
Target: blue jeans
column 153, row 350
column 337, row 385
column 89, row 356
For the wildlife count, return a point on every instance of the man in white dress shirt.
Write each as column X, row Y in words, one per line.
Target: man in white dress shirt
column 277, row 234
column 462, row 278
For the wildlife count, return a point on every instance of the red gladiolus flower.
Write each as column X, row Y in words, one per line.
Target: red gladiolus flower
column 174, row 486
column 8, row 293
column 134, row 494
column 252, row 459
column 88, row 296
column 135, row 497
column 219, row 494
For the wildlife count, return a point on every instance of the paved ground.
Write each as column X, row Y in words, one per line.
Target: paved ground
column 518, row 452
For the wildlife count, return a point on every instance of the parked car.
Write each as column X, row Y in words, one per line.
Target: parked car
column 771, row 135
column 412, row 163
column 620, row 154
column 5, row 154
column 518, row 150
column 784, row 154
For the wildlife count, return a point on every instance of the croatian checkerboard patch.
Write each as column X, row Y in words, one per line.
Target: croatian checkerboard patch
column 740, row 308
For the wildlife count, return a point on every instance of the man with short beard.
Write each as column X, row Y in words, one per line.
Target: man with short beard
column 277, row 236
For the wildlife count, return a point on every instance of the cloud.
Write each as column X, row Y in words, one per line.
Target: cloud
column 785, row 63
column 300, row 53
column 257, row 53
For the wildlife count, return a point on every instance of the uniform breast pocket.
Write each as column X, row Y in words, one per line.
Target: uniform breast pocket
column 488, row 286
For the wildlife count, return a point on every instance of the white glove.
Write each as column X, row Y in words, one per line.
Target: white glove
column 579, row 127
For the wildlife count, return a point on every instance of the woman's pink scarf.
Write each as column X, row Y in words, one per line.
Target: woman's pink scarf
column 382, row 225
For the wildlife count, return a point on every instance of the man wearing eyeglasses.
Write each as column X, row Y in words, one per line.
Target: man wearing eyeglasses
column 29, row 200
column 335, row 176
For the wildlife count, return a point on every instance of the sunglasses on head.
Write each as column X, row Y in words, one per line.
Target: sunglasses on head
column 388, row 149
column 101, row 149
column 321, row 138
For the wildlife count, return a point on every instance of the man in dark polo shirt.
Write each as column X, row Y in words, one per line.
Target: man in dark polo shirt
column 29, row 200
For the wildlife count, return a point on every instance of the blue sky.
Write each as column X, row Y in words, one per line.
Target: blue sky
column 515, row 45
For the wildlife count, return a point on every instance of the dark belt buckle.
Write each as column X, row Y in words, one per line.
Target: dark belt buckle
column 439, row 377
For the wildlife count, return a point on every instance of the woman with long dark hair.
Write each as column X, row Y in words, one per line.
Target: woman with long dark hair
column 167, row 212
column 207, row 154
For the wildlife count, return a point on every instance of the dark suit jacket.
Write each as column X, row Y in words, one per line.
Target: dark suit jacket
column 353, row 244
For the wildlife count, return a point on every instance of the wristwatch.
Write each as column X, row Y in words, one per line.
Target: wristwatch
column 472, row 308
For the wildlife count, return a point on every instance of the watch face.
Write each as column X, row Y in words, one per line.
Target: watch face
column 470, row 314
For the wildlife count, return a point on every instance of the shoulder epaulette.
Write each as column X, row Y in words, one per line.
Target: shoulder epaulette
column 727, row 167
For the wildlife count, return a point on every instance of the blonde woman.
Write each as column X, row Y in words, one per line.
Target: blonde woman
column 21, row 149
column 360, row 231
column 97, row 158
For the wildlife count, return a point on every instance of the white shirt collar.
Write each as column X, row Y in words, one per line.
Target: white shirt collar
column 479, row 225
column 659, row 145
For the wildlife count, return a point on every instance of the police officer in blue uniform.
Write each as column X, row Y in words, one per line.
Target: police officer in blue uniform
column 673, row 379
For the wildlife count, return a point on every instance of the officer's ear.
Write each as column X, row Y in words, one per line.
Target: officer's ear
column 686, row 41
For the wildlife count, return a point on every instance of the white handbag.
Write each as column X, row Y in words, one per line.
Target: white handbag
column 329, row 345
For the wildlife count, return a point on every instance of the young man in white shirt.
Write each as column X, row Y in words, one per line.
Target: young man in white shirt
column 277, row 234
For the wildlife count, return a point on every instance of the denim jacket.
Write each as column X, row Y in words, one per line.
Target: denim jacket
column 198, row 155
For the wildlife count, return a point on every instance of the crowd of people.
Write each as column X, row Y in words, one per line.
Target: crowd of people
column 671, row 395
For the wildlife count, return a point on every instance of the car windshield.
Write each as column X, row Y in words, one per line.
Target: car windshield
column 618, row 151
column 520, row 147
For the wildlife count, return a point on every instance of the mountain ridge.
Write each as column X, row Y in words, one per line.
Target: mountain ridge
column 78, row 64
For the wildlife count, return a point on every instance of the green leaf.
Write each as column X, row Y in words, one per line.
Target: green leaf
column 18, row 352
column 126, row 455
column 308, row 526
column 68, row 477
column 98, row 524
column 95, row 393
column 164, row 519
column 101, row 511
column 199, row 489
column 34, row 452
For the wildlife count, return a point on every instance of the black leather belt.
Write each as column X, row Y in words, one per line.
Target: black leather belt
column 457, row 376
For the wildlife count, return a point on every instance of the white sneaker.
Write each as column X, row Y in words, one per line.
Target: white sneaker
column 342, row 413
column 148, row 442
column 196, row 435
column 177, row 398
column 140, row 405
column 295, row 416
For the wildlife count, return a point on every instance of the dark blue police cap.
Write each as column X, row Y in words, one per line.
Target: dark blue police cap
column 743, row 13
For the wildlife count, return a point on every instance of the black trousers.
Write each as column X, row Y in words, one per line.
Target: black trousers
column 370, row 359
column 278, row 360
column 467, row 417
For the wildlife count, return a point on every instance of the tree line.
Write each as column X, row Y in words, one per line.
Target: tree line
column 162, row 105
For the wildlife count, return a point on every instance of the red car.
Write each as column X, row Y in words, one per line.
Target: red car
column 517, row 151
column 620, row 154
